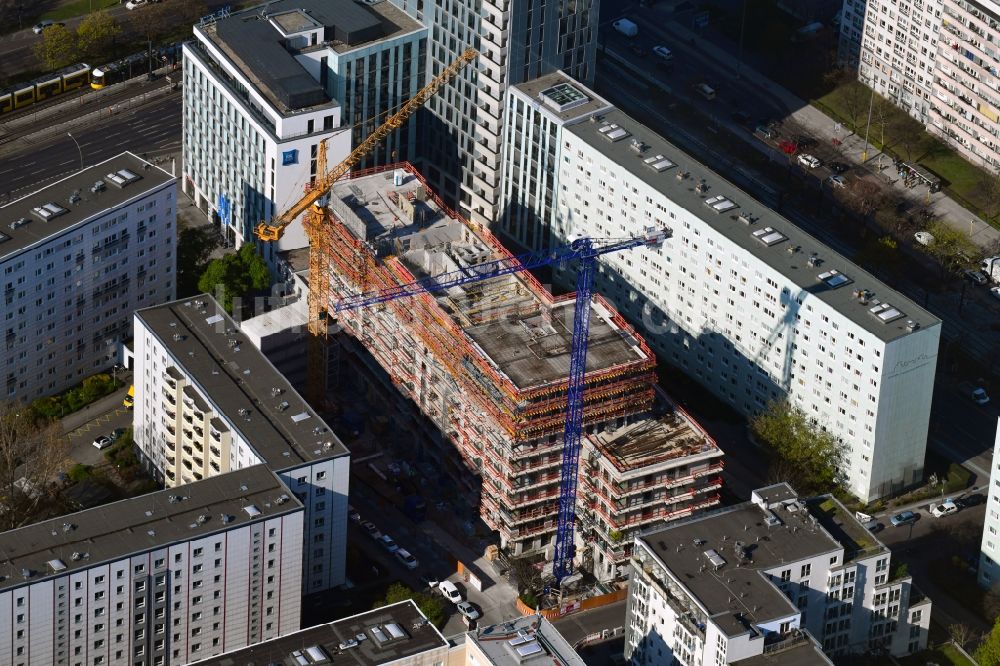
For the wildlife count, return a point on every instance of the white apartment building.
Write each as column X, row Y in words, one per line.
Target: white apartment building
column 753, row 583
column 166, row 578
column 989, row 553
column 896, row 51
column 398, row 634
column 936, row 60
column 76, row 258
column 517, row 41
column 264, row 86
column 207, row 403
column 738, row 297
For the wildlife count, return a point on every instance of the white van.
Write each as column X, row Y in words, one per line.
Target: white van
column 705, row 90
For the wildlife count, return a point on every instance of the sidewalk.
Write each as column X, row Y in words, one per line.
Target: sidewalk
column 852, row 146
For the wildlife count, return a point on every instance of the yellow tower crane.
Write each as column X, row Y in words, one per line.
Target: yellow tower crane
column 313, row 223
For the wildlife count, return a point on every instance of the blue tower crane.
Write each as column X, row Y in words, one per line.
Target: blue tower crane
column 585, row 251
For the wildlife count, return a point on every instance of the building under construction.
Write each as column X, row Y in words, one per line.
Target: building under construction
column 488, row 361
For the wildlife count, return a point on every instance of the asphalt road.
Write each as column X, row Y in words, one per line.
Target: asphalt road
column 153, row 129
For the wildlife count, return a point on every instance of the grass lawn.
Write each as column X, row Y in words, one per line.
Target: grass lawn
column 943, row 655
column 73, row 8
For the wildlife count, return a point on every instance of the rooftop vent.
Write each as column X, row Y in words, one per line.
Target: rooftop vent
column 719, row 204
column 912, row 325
column 49, row 211
column 614, row 132
column 75, row 197
column 123, row 178
column 746, row 218
column 658, row 163
column 98, row 186
column 283, row 405
column 769, row 236
column 885, row 313
column 56, row 565
column 814, row 260
column 226, row 518
column 252, row 510
column 833, row 279
column 20, row 222
column 770, row 519
column 701, row 187
column 638, row 146
column 715, row 559
column 301, row 416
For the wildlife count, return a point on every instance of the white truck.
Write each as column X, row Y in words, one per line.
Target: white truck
column 991, row 267
column 626, row 27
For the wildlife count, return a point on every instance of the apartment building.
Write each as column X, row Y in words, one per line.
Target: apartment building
column 755, row 582
column 738, row 297
column 517, row 41
column 263, row 88
column 661, row 468
column 989, row 552
column 170, row 577
column 208, row 403
column 398, row 634
column 936, row 60
column 898, row 49
column 76, row 258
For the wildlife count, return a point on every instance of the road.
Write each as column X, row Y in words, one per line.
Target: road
column 153, row 129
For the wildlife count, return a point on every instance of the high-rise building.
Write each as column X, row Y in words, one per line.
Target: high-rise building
column 166, row 578
column 264, row 86
column 517, row 40
column 76, row 258
column 989, row 553
column 745, row 584
column 738, row 297
column 207, row 402
column 934, row 59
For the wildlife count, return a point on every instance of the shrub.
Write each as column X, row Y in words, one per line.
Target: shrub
column 529, row 599
column 79, row 472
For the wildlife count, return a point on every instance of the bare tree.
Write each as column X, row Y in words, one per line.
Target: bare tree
column 867, row 197
column 960, row 633
column 910, row 135
column 988, row 189
column 855, row 97
column 30, row 457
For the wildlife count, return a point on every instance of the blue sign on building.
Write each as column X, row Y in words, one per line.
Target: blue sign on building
column 225, row 210
column 289, row 157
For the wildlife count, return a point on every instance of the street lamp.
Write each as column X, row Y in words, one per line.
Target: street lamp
column 78, row 148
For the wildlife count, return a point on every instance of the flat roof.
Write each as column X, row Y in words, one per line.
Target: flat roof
column 805, row 261
column 256, row 41
column 17, row 236
column 111, row 532
column 563, row 97
column 405, row 629
column 524, row 640
column 845, row 528
column 805, row 652
column 672, row 436
column 525, row 339
column 280, row 426
column 746, row 544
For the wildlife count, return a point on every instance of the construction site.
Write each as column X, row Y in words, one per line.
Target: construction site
column 488, row 364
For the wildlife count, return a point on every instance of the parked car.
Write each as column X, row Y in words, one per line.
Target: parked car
column 636, row 49
column 115, row 434
column 945, row 508
column 807, row 160
column 134, row 4
column 468, row 610
column 903, row 518
column 995, row 291
column 39, row 27
column 408, row 560
column 764, row 131
column 975, row 277
column 924, row 238
column 388, row 543
column 101, row 443
column 450, row 591
column 839, row 167
column 429, row 580
column 373, row 531
column 976, row 394
column 874, row 526
column 837, row 181
column 663, row 53
column 972, row 499
column 353, row 514
column 705, row 90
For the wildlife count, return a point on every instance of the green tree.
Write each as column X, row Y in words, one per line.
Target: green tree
column 800, row 452
column 988, row 654
column 57, row 47
column 96, row 35
column 194, row 247
column 241, row 275
column 430, row 605
column 951, row 247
